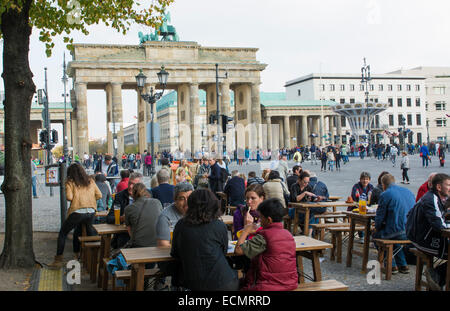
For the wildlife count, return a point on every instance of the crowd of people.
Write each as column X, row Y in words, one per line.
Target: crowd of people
column 181, row 210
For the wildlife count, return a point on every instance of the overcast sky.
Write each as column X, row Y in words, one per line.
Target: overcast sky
column 294, row 38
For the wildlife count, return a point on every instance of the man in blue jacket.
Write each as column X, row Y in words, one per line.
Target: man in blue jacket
column 424, row 154
column 390, row 220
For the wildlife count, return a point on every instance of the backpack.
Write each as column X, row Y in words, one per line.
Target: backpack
column 224, row 175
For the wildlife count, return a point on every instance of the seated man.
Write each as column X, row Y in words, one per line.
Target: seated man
column 321, row 191
column 124, row 177
column 424, row 225
column 390, row 220
column 108, row 168
column 253, row 179
column 123, row 199
column 165, row 191
column 362, row 189
column 235, row 189
column 292, row 179
column 166, row 224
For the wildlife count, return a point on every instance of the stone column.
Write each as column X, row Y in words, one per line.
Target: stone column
column 269, row 132
column 224, row 91
column 338, row 128
column 195, row 124
column 118, row 117
column 281, row 133
column 322, row 130
column 109, row 136
column 256, row 111
column 304, row 131
column 82, row 119
column 315, row 129
column 287, row 132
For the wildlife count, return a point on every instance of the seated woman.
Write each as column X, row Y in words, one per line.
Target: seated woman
column 141, row 217
column 200, row 242
column 275, row 188
column 363, row 189
column 247, row 214
column 272, row 251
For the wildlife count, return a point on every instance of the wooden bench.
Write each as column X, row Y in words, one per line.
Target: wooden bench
column 92, row 253
column 422, row 259
column 125, row 275
column 327, row 285
column 319, row 229
column 85, row 257
column 388, row 247
column 334, row 216
column 336, row 240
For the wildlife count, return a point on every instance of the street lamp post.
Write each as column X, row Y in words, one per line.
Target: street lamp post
column 63, row 165
column 151, row 98
column 219, row 120
column 365, row 78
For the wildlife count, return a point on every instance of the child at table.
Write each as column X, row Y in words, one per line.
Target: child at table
column 272, row 251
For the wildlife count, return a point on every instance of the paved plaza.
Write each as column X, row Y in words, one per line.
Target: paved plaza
column 46, row 217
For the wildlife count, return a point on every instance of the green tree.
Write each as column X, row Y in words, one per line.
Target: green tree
column 51, row 18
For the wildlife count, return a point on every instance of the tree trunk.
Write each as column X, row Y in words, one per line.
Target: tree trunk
column 19, row 89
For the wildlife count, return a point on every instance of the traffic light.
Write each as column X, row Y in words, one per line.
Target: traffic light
column 43, row 137
column 225, row 120
column 212, row 118
column 54, row 139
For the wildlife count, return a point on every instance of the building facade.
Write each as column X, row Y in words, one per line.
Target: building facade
column 405, row 95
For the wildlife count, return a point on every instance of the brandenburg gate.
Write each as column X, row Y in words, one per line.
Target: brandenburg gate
column 191, row 67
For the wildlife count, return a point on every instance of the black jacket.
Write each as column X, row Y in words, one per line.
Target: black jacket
column 424, row 224
column 215, row 183
column 235, row 190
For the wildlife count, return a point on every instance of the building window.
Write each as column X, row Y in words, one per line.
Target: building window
column 332, row 88
column 342, row 100
column 399, row 119
column 361, row 87
column 426, row 107
column 352, row 87
column 352, row 100
column 377, row 121
column 408, row 102
column 299, row 92
column 322, row 87
column 399, row 87
column 372, row 87
column 419, row 138
column 417, row 102
column 343, row 121
column 408, row 87
column 417, row 87
column 418, row 119
column 399, row 102
column 441, row 122
column 391, row 120
column 333, row 99
column 380, row 87
column 409, row 119
column 389, row 87
column 440, row 90
column 391, row 102
column 342, row 87
column 440, row 105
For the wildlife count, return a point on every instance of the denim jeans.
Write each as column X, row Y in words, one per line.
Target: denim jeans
column 425, row 159
column 399, row 255
column 33, row 185
column 330, row 165
column 74, row 221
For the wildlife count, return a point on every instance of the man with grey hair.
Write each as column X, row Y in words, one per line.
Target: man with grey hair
column 164, row 192
column 171, row 214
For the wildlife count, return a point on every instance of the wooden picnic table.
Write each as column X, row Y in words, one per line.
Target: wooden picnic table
column 334, row 198
column 446, row 233
column 305, row 207
column 106, row 231
column 366, row 221
column 138, row 257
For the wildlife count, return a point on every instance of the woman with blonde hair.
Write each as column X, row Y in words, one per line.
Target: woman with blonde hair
column 265, row 174
column 180, row 177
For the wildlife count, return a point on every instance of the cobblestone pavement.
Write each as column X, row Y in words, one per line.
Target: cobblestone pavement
column 46, row 213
